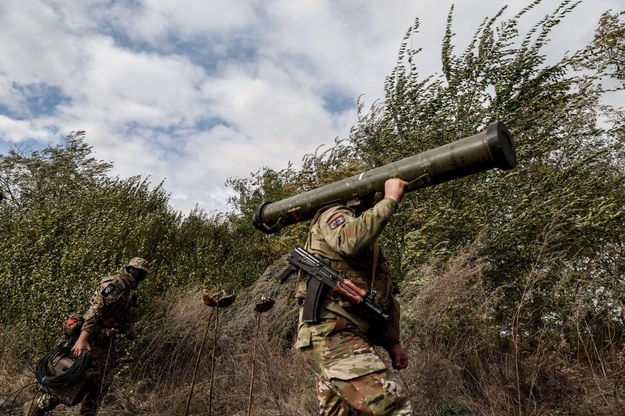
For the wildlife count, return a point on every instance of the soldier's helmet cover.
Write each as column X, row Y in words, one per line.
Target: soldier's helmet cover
column 73, row 325
column 139, row 263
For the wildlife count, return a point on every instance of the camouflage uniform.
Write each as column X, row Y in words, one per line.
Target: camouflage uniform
column 112, row 306
column 46, row 401
column 352, row 379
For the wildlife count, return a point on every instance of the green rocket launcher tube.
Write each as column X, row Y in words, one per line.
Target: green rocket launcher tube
column 492, row 148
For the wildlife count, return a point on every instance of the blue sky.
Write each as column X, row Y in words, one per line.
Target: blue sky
column 194, row 92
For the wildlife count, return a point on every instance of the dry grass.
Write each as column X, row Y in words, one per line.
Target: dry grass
column 16, row 371
column 168, row 360
column 462, row 363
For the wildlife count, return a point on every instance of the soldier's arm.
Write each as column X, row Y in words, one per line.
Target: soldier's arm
column 92, row 316
column 94, row 311
column 347, row 234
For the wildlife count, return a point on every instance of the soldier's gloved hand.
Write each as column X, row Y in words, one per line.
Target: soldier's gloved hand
column 399, row 357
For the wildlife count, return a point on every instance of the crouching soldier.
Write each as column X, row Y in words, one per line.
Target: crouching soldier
column 112, row 310
column 50, row 363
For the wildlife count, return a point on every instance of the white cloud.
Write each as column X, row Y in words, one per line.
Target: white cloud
column 197, row 91
column 343, row 43
column 266, row 110
column 139, row 87
column 153, row 21
column 14, row 131
column 34, row 45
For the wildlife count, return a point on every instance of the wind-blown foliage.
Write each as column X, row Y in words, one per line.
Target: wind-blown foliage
column 65, row 224
column 551, row 230
column 569, row 150
column 512, row 282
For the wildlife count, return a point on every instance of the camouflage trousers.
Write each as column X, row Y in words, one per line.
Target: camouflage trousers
column 351, row 377
column 45, row 402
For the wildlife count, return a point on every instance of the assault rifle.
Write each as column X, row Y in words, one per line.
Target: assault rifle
column 322, row 276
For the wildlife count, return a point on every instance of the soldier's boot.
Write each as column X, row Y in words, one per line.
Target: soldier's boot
column 88, row 409
column 90, row 402
column 31, row 409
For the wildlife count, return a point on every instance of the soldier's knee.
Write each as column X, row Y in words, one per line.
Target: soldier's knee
column 381, row 396
column 30, row 409
column 387, row 405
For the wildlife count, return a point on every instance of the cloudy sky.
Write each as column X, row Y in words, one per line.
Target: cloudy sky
column 193, row 92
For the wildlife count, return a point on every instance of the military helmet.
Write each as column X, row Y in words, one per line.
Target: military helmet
column 139, row 263
column 73, row 325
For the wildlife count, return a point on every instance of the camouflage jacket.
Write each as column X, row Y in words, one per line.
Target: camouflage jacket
column 113, row 305
column 349, row 242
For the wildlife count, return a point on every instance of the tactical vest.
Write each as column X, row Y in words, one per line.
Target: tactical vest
column 359, row 269
column 120, row 307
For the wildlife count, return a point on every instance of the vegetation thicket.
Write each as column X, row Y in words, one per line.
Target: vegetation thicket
column 512, row 283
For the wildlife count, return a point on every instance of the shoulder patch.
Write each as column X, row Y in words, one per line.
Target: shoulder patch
column 336, row 221
column 108, row 289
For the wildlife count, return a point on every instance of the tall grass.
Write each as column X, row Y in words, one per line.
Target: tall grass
column 462, row 362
